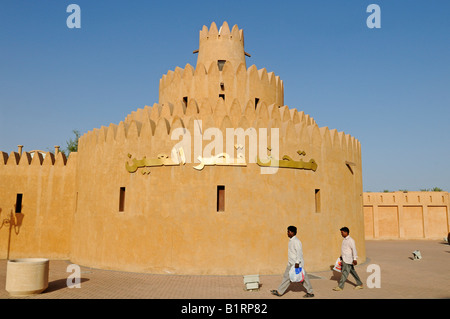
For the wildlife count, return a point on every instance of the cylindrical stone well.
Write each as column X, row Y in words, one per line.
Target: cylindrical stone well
column 27, row 276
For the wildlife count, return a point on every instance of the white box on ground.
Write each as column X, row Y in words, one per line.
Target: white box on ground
column 251, row 282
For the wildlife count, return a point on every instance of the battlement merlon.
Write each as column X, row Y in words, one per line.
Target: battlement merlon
column 221, row 45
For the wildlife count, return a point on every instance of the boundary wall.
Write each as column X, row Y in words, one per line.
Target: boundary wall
column 406, row 215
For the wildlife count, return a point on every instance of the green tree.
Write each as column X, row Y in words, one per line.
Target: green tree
column 72, row 144
column 434, row 189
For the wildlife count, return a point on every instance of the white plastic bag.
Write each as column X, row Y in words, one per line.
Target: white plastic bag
column 296, row 276
column 338, row 265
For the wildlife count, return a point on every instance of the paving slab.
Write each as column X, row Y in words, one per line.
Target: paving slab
column 401, row 277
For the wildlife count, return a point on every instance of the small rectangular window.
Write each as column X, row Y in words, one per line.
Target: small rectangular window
column 256, row 102
column 222, row 96
column 220, row 198
column 317, row 199
column 122, row 199
column 19, row 203
column 220, row 64
column 185, row 101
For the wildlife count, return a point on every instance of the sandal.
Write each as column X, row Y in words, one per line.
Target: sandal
column 276, row 293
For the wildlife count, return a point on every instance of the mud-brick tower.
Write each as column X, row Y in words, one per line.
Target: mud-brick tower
column 220, row 219
column 135, row 208
column 221, row 72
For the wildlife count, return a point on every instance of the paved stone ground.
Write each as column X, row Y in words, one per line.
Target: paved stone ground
column 401, row 278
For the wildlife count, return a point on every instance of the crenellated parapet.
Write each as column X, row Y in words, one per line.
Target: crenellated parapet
column 157, row 123
column 406, row 198
column 221, row 45
column 230, row 83
column 35, row 158
column 221, row 72
column 222, row 93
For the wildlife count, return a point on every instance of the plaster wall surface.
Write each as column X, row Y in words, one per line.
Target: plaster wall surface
column 41, row 227
column 164, row 219
column 406, row 215
column 170, row 222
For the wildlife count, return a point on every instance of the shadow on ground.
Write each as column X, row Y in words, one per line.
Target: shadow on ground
column 60, row 284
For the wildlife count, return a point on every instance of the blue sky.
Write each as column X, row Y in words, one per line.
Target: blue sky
column 388, row 87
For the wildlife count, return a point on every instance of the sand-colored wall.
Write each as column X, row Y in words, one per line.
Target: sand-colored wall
column 238, row 84
column 170, row 223
column 406, row 215
column 43, row 228
column 221, row 44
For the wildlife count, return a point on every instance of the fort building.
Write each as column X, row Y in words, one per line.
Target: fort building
column 163, row 192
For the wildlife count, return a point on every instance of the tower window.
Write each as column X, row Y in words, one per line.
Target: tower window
column 122, row 199
column 185, row 101
column 317, row 200
column 19, row 203
column 220, row 64
column 256, row 102
column 222, row 96
column 220, row 198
